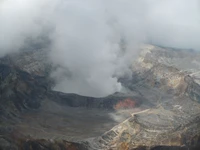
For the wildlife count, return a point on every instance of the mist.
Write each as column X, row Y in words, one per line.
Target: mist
column 94, row 42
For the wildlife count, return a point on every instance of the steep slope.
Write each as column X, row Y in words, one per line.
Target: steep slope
column 31, row 61
column 20, row 91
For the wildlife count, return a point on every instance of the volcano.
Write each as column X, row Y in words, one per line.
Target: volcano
column 159, row 111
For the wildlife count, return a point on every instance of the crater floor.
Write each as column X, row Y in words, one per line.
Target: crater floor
column 53, row 121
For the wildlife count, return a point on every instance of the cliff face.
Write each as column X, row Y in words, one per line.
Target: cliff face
column 160, row 111
column 31, row 61
column 20, row 90
column 193, row 89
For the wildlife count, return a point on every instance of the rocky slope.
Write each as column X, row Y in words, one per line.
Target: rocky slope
column 161, row 111
column 173, row 122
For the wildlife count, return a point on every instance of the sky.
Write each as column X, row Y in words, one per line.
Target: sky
column 94, row 42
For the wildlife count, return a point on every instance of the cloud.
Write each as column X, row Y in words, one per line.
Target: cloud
column 174, row 23
column 17, row 22
column 93, row 42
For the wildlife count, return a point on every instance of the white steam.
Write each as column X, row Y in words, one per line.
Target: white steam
column 93, row 42
column 86, row 44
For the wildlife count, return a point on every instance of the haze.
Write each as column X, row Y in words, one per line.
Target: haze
column 94, row 42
